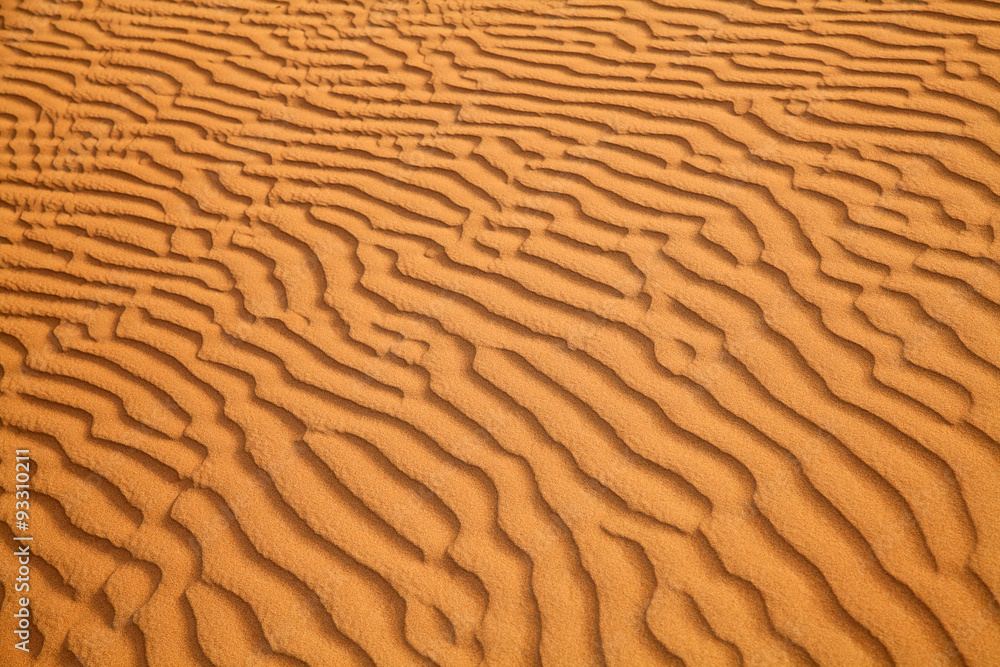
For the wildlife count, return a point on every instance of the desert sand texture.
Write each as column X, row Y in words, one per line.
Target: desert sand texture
column 501, row 332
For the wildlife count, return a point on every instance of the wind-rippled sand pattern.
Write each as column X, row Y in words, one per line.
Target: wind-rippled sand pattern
column 508, row 332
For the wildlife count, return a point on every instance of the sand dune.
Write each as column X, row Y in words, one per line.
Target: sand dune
column 511, row 332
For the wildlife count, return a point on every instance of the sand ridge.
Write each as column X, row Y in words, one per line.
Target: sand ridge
column 507, row 332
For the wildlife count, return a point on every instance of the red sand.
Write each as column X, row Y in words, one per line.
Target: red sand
column 516, row 333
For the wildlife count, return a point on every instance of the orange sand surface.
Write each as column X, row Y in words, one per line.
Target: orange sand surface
column 503, row 332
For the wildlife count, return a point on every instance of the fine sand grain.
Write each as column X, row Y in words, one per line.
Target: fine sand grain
column 504, row 332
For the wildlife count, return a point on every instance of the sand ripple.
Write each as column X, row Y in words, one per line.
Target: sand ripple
column 509, row 332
